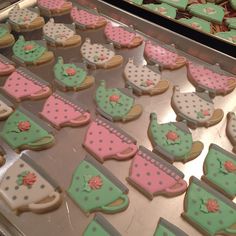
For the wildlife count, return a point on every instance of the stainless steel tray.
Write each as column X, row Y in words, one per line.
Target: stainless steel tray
column 61, row 160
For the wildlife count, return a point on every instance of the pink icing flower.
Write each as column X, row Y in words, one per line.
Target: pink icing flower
column 102, row 57
column 209, row 10
column 205, row 113
column 28, row 47
column 162, row 10
column 230, row 166
column 149, row 82
column 24, row 125
column 171, row 135
column 114, row 98
column 29, row 179
column 70, row 71
column 95, row 182
column 212, row 205
column 195, row 25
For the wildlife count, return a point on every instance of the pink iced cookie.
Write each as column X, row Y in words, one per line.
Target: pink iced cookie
column 154, row 176
column 22, row 85
column 104, row 141
column 61, row 112
column 210, row 78
column 166, row 58
column 87, row 19
column 6, row 66
column 122, row 36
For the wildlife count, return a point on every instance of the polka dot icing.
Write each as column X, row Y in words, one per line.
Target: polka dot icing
column 51, row 4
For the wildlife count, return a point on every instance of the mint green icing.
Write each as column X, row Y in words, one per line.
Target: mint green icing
column 233, row 4
column 3, row 31
column 161, row 230
column 138, row 2
column 95, row 229
column 180, row 4
column 229, row 36
column 231, row 22
column 197, row 23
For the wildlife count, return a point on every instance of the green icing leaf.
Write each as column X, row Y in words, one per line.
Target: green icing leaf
column 203, row 208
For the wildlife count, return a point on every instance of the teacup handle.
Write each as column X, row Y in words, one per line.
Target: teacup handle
column 114, row 209
column 124, row 155
column 42, row 207
column 42, row 92
column 231, row 230
column 81, row 121
column 182, row 186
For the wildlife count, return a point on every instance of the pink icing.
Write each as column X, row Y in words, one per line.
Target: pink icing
column 58, row 111
column 51, row 4
column 103, row 143
column 208, row 78
column 118, row 34
column 19, row 86
column 5, row 67
column 160, row 54
column 84, row 18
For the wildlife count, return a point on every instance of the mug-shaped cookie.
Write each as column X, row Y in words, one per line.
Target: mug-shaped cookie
column 25, row 19
column 99, row 226
column 227, row 35
column 22, row 84
column 31, row 52
column 197, row 108
column 154, row 176
column 6, row 39
column 20, row 132
column 6, row 66
column 2, row 156
column 210, row 78
column 116, row 104
column 144, row 79
column 6, row 108
column 87, row 18
column 60, row 111
column 99, row 55
column 54, row 7
column 231, row 130
column 231, row 22
column 105, row 141
column 72, row 76
column 220, row 170
column 94, row 188
column 165, row 56
column 122, row 37
column 26, row 187
column 59, row 34
column 173, row 140
column 197, row 24
column 209, row 211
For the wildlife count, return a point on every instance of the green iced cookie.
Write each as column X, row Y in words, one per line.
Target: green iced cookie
column 3, row 31
column 180, row 4
column 197, row 23
column 231, row 22
column 229, row 35
column 138, row 2
column 209, row 11
column 233, row 4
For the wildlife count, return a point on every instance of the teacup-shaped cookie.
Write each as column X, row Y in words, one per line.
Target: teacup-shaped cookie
column 231, row 129
column 20, row 131
column 59, row 34
column 60, row 111
column 26, row 187
column 6, row 66
column 144, row 79
column 227, row 35
column 196, row 108
column 153, row 176
column 2, row 156
column 24, row 85
column 72, row 76
column 87, row 18
column 94, row 188
column 99, row 55
column 105, row 141
column 173, row 140
column 25, row 19
column 6, row 39
column 209, row 211
column 116, row 104
column 31, row 52
column 6, row 108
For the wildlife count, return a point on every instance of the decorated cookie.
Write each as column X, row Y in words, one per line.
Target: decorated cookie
column 196, row 108
column 227, row 35
column 6, row 108
column 220, row 170
column 59, row 34
column 60, row 111
column 209, row 11
column 27, row 187
column 25, row 19
column 164, row 227
column 122, row 37
column 116, row 104
column 22, row 132
column 233, row 4
column 197, row 24
column 2, row 156
column 180, row 4
column 144, row 79
column 72, row 77
column 208, row 210
column 87, row 18
column 138, row 2
column 31, row 52
column 166, row 57
column 173, row 140
column 6, row 66
column 94, row 188
column 231, row 22
column 153, row 176
column 6, row 38
column 100, row 56
column 54, row 7
column 24, row 85
column 99, row 226
column 210, row 78
column 163, row 9
column 231, row 129
column 105, row 141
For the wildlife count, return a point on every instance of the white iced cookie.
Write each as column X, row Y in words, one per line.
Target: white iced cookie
column 5, row 110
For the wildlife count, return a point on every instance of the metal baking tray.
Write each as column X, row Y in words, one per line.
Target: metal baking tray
column 62, row 159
